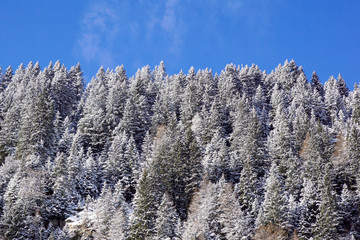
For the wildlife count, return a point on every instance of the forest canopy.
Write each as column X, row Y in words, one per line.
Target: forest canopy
column 243, row 154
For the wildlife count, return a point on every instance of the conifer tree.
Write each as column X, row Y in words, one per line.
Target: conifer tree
column 77, row 81
column 316, row 151
column 343, row 89
column 6, row 79
column 92, row 126
column 167, row 220
column 216, row 160
column 123, row 164
column 275, row 202
column 36, row 134
column 137, row 111
column 327, row 221
column 234, row 223
column 316, row 84
column 203, row 220
column 12, row 110
column 116, row 99
column 104, row 210
column 280, row 141
column 333, row 100
column 143, row 219
column 248, row 186
column 348, row 209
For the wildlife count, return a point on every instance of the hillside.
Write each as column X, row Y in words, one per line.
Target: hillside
column 243, row 154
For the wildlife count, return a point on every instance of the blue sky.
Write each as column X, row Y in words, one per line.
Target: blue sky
column 322, row 35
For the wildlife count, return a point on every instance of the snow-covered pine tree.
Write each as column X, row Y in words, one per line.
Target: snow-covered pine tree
column 316, row 84
column 36, row 135
column 116, row 99
column 92, row 127
column 327, row 221
column 234, row 223
column 167, row 220
column 216, row 159
column 145, row 204
column 275, row 201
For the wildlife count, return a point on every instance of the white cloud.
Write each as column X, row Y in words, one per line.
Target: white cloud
column 110, row 29
column 98, row 29
column 170, row 23
column 169, row 19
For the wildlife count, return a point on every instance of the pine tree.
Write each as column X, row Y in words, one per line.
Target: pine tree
column 159, row 76
column 333, row 100
column 316, row 84
column 36, row 134
column 12, row 110
column 142, row 223
column 24, row 206
column 92, row 127
column 316, row 151
column 237, row 137
column 77, row 81
column 119, row 223
column 115, row 102
column 6, row 79
column 327, row 221
column 235, row 224
column 89, row 176
column 123, row 164
column 275, row 202
column 62, row 93
column 137, row 111
column 216, row 160
column 104, row 210
column 280, row 141
column 343, row 89
column 167, row 220
column 308, row 208
column 248, row 186
column 348, row 209
column 353, row 148
column 203, row 220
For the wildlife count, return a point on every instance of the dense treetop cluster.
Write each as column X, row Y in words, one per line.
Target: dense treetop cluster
column 243, row 154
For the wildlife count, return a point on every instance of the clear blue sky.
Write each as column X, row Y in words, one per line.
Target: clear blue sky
column 321, row 35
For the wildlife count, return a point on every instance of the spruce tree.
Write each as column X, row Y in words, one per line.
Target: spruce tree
column 167, row 220
column 327, row 221
column 275, row 201
column 143, row 219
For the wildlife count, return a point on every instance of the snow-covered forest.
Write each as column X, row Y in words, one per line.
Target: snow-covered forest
column 243, row 154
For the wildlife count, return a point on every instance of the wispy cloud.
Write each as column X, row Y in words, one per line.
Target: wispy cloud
column 169, row 19
column 170, row 23
column 99, row 27
column 118, row 31
column 107, row 24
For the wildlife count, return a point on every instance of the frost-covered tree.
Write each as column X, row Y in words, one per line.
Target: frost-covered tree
column 216, row 160
column 234, row 223
column 92, row 127
column 327, row 221
column 240, row 155
column 203, row 220
column 280, row 141
column 36, row 133
column 143, row 219
column 6, row 79
column 116, row 99
column 316, row 84
column 275, row 201
column 167, row 220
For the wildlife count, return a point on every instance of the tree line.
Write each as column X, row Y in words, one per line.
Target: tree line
column 243, row 154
